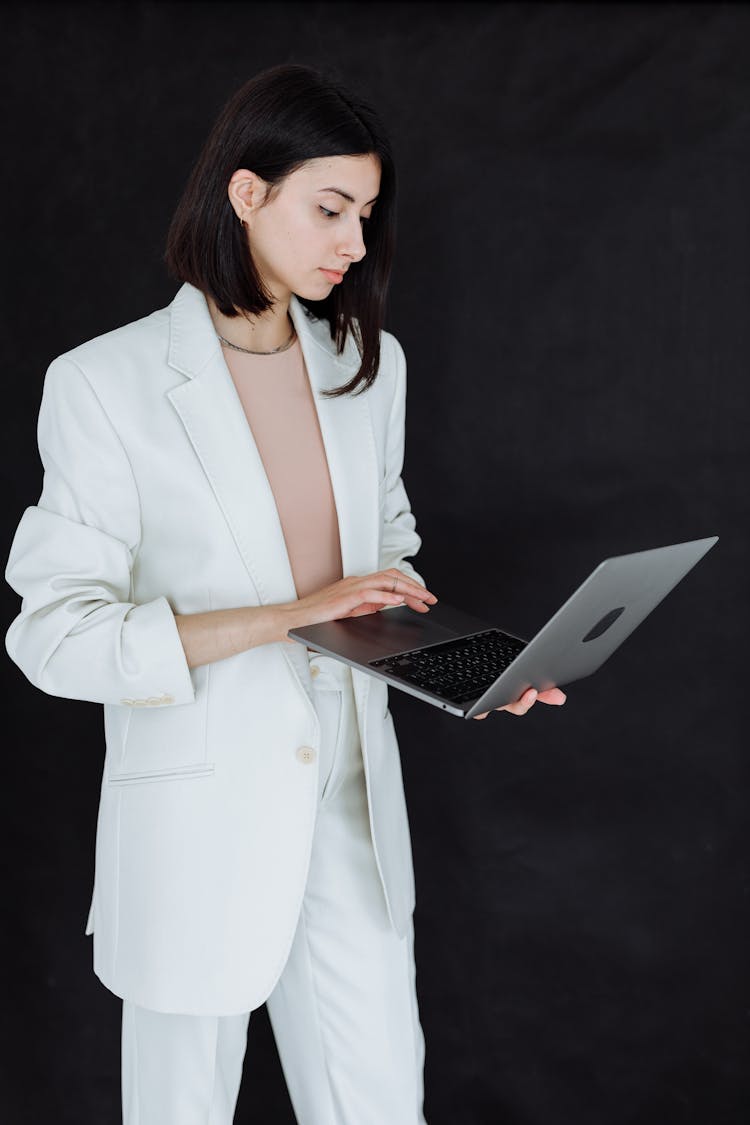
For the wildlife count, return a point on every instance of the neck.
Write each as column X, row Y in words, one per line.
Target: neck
column 261, row 333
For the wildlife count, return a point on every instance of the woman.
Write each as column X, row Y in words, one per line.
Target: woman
column 217, row 473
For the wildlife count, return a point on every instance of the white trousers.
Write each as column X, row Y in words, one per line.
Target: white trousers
column 344, row 1011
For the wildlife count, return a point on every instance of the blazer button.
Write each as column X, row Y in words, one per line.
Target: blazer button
column 306, row 754
column 314, row 670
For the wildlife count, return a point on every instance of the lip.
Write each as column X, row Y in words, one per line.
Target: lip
column 334, row 275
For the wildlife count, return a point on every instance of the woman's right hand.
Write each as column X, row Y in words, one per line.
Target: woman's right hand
column 358, row 595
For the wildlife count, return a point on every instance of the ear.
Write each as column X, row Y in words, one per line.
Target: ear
column 246, row 191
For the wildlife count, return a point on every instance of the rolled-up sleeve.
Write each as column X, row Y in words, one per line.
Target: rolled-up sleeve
column 400, row 539
column 79, row 634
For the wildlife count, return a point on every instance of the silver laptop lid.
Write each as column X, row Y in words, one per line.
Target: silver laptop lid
column 595, row 620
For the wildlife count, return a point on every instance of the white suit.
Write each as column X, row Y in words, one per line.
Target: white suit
column 155, row 502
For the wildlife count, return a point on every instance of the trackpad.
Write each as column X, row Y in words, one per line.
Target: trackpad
column 388, row 632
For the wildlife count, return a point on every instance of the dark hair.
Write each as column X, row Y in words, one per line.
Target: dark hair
column 275, row 123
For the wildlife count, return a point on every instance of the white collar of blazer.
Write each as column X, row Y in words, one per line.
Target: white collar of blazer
column 212, row 415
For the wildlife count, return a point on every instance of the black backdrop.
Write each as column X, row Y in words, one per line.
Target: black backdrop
column 571, row 291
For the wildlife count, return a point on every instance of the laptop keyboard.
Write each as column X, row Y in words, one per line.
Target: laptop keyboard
column 459, row 670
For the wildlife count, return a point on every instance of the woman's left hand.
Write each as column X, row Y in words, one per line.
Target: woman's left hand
column 528, row 699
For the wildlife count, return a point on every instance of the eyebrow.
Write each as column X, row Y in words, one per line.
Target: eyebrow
column 340, row 191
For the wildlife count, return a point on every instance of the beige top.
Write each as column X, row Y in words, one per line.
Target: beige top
column 277, row 398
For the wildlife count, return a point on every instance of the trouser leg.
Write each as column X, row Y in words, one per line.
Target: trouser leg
column 178, row 1069
column 344, row 1012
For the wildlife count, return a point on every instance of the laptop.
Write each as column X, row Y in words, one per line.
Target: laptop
column 466, row 665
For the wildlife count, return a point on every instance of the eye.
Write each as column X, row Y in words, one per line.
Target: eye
column 330, row 214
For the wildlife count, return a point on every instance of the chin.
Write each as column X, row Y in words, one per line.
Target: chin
column 314, row 291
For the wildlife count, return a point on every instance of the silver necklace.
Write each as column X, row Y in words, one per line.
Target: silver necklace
column 249, row 351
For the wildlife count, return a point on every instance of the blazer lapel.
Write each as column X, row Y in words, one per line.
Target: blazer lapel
column 215, row 423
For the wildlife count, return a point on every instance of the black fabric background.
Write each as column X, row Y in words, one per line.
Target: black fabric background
column 571, row 292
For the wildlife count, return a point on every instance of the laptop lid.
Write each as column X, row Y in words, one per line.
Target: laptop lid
column 594, row 621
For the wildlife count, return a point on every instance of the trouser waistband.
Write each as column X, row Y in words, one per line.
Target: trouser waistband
column 333, row 675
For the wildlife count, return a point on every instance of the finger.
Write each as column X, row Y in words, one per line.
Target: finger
column 406, row 585
column 400, row 596
column 384, row 597
column 417, row 603
column 482, row 716
column 366, row 607
column 522, row 705
column 369, row 601
column 553, row 696
column 413, row 602
column 419, row 595
column 515, row 708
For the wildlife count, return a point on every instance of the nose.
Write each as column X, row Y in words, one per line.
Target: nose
column 353, row 245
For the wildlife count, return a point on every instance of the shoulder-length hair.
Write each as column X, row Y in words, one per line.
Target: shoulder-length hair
column 275, row 123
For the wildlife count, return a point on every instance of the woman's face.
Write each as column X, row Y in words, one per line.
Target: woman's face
column 308, row 227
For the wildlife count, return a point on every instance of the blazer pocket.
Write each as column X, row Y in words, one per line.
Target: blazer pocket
column 200, row 769
column 157, row 743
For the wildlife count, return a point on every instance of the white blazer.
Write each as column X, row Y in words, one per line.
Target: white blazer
column 155, row 502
